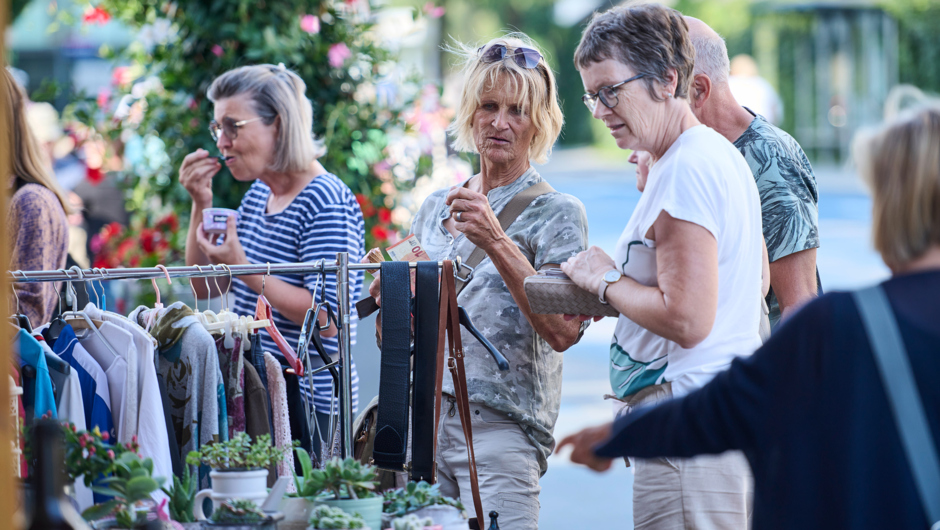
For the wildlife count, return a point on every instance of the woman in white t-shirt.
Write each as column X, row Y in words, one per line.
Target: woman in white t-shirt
column 686, row 273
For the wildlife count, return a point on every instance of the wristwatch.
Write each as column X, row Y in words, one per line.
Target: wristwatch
column 610, row 277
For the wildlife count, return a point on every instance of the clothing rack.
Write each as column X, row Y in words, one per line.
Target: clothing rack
column 341, row 267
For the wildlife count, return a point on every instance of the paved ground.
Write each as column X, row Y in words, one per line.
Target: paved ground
column 573, row 497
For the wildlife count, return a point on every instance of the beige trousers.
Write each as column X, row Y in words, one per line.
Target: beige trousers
column 507, row 466
column 705, row 492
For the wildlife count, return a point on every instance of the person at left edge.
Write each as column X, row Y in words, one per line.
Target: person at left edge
column 295, row 210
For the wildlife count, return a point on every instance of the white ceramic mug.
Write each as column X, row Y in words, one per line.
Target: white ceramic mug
column 228, row 485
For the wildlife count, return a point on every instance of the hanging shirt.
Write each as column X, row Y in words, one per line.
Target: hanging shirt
column 37, row 393
column 71, row 409
column 277, row 390
column 321, row 221
column 94, row 383
column 103, row 348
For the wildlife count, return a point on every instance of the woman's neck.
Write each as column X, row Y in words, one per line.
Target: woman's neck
column 494, row 175
column 677, row 118
column 930, row 260
column 286, row 186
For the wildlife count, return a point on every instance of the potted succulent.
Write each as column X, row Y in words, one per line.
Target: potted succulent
column 344, row 484
column 424, row 500
column 413, row 522
column 129, row 485
column 182, row 495
column 326, row 517
column 238, row 469
column 240, row 514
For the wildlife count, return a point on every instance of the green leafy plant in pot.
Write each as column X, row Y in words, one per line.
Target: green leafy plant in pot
column 239, row 514
column 182, row 496
column 238, row 469
column 345, row 484
column 423, row 500
column 129, row 484
column 329, row 518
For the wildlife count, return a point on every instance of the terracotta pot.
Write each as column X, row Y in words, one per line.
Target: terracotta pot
column 228, row 485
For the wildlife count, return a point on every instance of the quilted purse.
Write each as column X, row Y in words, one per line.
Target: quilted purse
column 551, row 292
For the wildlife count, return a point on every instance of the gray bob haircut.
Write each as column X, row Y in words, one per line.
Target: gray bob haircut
column 649, row 38
column 536, row 89
column 277, row 94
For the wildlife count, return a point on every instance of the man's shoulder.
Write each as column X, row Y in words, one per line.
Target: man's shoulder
column 769, row 149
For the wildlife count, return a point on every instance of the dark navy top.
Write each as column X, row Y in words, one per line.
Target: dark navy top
column 810, row 413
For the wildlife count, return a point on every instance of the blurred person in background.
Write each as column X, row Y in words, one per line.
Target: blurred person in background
column 784, row 176
column 809, row 408
column 36, row 220
column 752, row 90
column 686, row 273
column 509, row 114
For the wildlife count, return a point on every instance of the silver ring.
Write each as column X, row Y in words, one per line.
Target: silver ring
column 458, row 216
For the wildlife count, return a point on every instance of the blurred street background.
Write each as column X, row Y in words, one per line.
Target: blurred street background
column 119, row 98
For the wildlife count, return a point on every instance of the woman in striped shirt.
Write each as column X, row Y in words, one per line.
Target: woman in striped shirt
column 295, row 210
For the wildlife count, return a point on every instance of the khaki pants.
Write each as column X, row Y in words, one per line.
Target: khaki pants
column 507, row 466
column 704, row 492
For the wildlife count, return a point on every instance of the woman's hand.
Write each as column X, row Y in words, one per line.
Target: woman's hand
column 582, row 444
column 196, row 174
column 587, row 268
column 474, row 217
column 230, row 252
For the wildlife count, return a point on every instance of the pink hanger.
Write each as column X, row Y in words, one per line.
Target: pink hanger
column 157, row 306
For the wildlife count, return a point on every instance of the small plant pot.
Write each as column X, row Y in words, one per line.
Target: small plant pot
column 370, row 509
column 448, row 517
column 296, row 512
column 229, row 485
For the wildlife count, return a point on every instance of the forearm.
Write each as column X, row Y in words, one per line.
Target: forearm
column 514, row 268
column 289, row 300
column 650, row 308
column 793, row 279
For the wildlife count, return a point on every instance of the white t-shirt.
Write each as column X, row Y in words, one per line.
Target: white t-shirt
column 704, row 180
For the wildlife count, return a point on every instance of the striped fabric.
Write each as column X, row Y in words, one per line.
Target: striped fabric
column 322, row 220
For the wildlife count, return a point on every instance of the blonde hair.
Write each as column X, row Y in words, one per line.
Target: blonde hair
column 901, row 164
column 29, row 163
column 536, row 89
column 277, row 94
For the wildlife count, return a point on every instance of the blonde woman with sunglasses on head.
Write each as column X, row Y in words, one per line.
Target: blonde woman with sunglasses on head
column 295, row 210
column 509, row 114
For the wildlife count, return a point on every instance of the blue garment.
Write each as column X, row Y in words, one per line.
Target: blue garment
column 811, row 414
column 321, row 221
column 38, row 393
column 97, row 411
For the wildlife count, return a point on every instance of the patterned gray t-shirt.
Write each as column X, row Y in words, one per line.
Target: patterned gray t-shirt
column 552, row 229
column 787, row 187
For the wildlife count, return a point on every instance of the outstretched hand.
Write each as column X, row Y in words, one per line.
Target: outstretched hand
column 582, row 444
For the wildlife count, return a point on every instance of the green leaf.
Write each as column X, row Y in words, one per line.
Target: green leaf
column 101, row 510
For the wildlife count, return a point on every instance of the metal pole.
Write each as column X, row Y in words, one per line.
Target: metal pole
column 342, row 295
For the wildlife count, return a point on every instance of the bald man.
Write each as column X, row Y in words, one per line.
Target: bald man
column 785, row 179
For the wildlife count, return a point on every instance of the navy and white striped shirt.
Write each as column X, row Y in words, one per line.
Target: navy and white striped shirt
column 322, row 220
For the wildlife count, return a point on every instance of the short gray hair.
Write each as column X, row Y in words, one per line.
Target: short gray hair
column 711, row 57
column 277, row 93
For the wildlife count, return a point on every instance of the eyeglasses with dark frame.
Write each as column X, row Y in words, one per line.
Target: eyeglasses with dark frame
column 607, row 94
column 522, row 56
column 229, row 127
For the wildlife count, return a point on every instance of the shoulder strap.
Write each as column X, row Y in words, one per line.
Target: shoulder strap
column 516, row 206
column 898, row 378
column 424, row 370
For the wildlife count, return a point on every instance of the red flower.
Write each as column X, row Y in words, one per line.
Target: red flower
column 147, row 240
column 94, row 175
column 380, row 233
column 385, row 216
column 365, row 205
column 95, row 15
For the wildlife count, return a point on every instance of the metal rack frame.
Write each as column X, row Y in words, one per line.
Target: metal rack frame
column 341, row 267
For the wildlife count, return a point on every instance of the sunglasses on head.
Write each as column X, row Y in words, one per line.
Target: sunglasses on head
column 524, row 57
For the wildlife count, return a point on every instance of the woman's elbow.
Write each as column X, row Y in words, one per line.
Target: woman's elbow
column 692, row 331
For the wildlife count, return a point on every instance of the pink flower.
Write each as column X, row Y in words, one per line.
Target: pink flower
column 433, row 11
column 104, row 95
column 338, row 54
column 310, row 24
column 95, row 15
column 217, row 50
column 110, row 454
column 105, row 436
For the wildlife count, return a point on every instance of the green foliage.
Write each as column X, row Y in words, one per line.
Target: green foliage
column 343, row 478
column 329, row 518
column 183, row 496
column 130, row 482
column 919, row 41
column 238, row 511
column 239, row 453
column 160, row 96
column 414, row 496
column 411, row 522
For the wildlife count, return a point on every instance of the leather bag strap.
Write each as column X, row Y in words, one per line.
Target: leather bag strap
column 898, row 379
column 423, row 418
column 391, row 435
column 510, row 212
column 456, row 365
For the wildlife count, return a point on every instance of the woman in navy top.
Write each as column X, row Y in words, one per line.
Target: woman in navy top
column 808, row 408
column 295, row 210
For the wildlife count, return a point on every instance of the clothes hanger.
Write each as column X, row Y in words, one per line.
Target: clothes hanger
column 51, row 333
column 264, row 311
column 81, row 318
column 20, row 319
column 152, row 315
